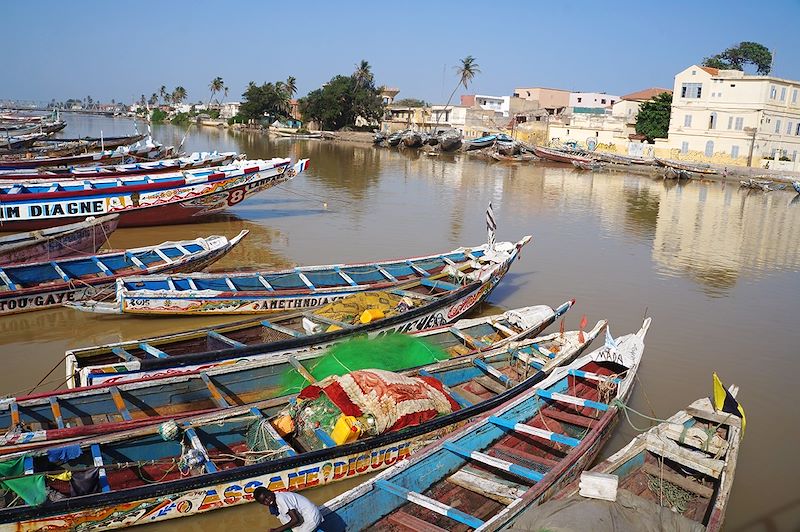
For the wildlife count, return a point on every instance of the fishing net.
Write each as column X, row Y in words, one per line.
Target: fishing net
column 394, row 352
column 350, row 308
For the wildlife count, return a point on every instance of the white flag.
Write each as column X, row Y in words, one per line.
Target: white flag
column 491, row 225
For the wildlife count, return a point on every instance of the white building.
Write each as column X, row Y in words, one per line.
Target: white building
column 498, row 104
column 592, row 100
column 229, row 109
column 722, row 114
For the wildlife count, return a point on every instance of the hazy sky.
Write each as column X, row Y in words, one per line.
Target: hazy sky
column 112, row 49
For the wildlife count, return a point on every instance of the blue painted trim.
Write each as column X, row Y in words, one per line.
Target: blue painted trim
column 120, row 352
column 452, row 513
column 224, row 339
column 438, row 284
column 59, row 271
column 481, row 365
column 154, row 351
column 323, row 436
column 463, row 403
column 547, row 394
column 98, row 462
column 289, row 451
column 27, row 465
column 586, row 375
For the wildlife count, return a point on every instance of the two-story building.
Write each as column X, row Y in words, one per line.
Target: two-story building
column 554, row 101
column 498, row 104
column 592, row 100
column 729, row 117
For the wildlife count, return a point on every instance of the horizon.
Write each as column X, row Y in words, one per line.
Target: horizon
column 183, row 43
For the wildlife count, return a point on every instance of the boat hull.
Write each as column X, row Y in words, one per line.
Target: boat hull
column 86, row 239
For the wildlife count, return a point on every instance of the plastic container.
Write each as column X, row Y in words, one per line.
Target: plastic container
column 371, row 315
column 284, row 425
column 346, row 430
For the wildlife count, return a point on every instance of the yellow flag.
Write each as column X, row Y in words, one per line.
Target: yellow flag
column 64, row 475
column 725, row 402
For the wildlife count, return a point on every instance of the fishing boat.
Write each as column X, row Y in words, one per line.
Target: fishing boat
column 178, row 164
column 757, row 184
column 395, row 138
column 521, row 158
column 412, row 139
column 687, row 167
column 19, row 141
column 259, row 292
column 560, row 156
column 429, row 302
column 92, row 410
column 293, row 135
column 623, row 159
column 205, row 462
column 25, row 129
column 506, row 145
column 484, row 474
column 672, row 173
column 102, row 142
column 796, row 186
column 450, row 140
column 145, row 150
column 481, row 142
column 676, row 476
column 379, row 138
column 591, row 166
column 60, row 241
column 140, row 200
column 48, row 284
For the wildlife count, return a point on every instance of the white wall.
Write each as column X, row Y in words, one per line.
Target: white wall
column 592, row 99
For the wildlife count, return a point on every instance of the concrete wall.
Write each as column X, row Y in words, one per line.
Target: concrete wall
column 592, row 99
column 547, row 98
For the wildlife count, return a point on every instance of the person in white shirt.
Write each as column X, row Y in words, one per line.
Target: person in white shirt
column 293, row 510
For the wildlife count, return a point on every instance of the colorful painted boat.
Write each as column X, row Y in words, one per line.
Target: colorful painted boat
column 146, row 150
column 481, row 142
column 176, row 165
column 433, row 302
column 60, row 241
column 687, row 167
column 679, row 473
column 41, row 285
column 141, row 200
column 623, row 159
column 518, row 456
column 216, row 460
column 31, row 421
column 560, row 156
column 278, row 291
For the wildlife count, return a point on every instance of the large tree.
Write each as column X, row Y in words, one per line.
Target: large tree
column 216, row 85
column 744, row 53
column 269, row 99
column 343, row 99
column 178, row 95
column 653, row 118
column 466, row 71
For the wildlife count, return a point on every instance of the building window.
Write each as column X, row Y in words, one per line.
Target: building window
column 789, row 128
column 730, row 122
column 794, row 96
column 783, row 94
column 712, row 121
column 709, row 148
column 797, row 131
column 684, row 147
column 691, row 90
column 612, row 102
column 739, row 124
column 733, row 84
column 773, row 92
column 687, row 121
column 603, row 101
column 772, row 153
column 580, row 100
column 777, row 126
column 794, row 155
column 734, row 152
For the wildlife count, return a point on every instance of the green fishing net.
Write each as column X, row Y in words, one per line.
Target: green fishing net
column 393, row 352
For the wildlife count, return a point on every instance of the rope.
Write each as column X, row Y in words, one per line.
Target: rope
column 58, row 364
column 625, row 409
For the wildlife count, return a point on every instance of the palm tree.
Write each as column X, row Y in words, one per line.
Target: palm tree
column 216, row 86
column 178, row 95
column 163, row 93
column 466, row 72
column 225, row 92
column 153, row 99
column 291, row 86
column 363, row 73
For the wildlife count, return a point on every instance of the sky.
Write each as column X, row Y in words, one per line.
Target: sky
column 119, row 50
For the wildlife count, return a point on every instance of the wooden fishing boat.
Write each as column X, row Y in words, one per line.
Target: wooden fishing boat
column 179, row 164
column 41, row 285
column 481, row 142
column 64, row 240
column 412, row 139
column 92, row 410
column 395, row 138
column 592, row 166
column 430, row 301
column 299, row 136
column 450, row 140
column 758, row 184
column 140, row 200
column 146, row 150
column 506, row 145
column 521, row 158
column 624, row 159
column 215, row 460
column 19, row 141
column 526, row 450
column 687, row 167
column 796, row 186
column 278, row 291
column 42, row 127
column 672, row 173
column 560, row 156
column 677, row 475
column 105, row 142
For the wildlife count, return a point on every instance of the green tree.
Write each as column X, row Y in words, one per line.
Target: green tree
column 343, row 99
column 411, row 102
column 162, row 92
column 744, row 53
column 363, row 74
column 153, row 99
column 653, row 118
column 178, row 95
column 291, row 86
column 466, row 71
column 268, row 99
column 216, row 85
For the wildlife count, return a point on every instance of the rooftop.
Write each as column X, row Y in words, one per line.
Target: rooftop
column 645, row 94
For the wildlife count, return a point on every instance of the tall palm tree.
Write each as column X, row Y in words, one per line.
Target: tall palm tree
column 291, row 86
column 466, row 72
column 178, row 95
column 162, row 92
column 363, row 73
column 216, row 86
column 225, row 92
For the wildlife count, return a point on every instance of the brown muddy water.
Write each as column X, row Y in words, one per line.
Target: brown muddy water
column 715, row 266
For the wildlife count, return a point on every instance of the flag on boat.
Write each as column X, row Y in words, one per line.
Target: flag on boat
column 491, row 225
column 610, row 342
column 724, row 401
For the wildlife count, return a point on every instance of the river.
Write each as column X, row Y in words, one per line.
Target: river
column 714, row 265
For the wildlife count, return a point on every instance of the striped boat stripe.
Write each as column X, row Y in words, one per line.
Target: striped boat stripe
column 492, row 372
column 56, row 409
column 224, row 339
column 154, row 351
column 102, row 266
column 305, row 279
column 265, row 283
column 61, row 273
column 495, row 462
column 9, row 283
column 119, row 403
column 387, row 274
column 163, row 255
column 101, row 473
column 429, row 503
column 592, row 376
column 578, row 401
column 198, row 446
column 212, row 389
column 120, row 352
column 346, row 277
column 417, row 269
column 534, row 431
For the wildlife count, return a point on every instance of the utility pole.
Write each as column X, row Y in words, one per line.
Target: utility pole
column 753, row 131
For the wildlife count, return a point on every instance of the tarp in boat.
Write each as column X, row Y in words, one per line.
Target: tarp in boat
column 629, row 513
column 29, row 487
column 393, row 352
column 391, row 400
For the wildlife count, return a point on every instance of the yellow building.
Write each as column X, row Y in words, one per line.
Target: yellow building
column 721, row 115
